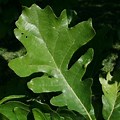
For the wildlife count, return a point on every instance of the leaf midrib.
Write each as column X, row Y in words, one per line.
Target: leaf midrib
column 64, row 80
column 68, row 86
column 112, row 108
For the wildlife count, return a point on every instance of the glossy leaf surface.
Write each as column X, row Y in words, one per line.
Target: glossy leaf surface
column 11, row 97
column 50, row 45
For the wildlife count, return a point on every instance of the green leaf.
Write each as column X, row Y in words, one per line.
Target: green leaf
column 8, row 108
column 2, row 117
column 11, row 97
column 21, row 114
column 70, row 114
column 45, row 111
column 56, row 116
column 50, row 45
column 111, row 98
column 38, row 115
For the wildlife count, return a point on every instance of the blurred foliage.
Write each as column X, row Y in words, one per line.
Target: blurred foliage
column 106, row 44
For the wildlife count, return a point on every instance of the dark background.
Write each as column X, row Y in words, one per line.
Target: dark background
column 105, row 15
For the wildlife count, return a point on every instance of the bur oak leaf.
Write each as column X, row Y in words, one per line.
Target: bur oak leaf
column 50, row 45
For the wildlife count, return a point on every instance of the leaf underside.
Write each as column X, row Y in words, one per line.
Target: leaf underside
column 50, row 44
column 111, row 97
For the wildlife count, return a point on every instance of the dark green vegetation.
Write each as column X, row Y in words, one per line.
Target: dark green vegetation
column 85, row 84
